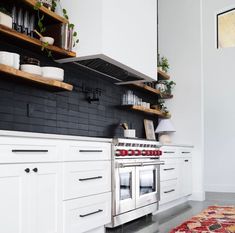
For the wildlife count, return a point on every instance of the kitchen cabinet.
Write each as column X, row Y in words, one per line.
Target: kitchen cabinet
column 123, row 33
column 176, row 173
column 30, row 198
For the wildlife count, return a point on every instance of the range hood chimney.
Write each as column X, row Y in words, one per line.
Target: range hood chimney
column 118, row 38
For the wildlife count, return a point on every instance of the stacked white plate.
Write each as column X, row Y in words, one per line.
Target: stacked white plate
column 10, row 59
column 53, row 73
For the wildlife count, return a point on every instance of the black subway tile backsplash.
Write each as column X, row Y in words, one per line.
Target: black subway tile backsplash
column 27, row 107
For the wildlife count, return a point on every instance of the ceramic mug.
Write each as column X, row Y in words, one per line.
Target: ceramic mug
column 129, row 133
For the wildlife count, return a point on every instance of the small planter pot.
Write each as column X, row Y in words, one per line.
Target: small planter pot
column 5, row 20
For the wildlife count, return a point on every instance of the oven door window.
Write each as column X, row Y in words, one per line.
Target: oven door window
column 147, row 181
column 125, row 185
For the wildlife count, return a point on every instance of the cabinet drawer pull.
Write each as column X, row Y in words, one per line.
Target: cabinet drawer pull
column 27, row 170
column 29, row 151
column 35, row 170
column 91, row 178
column 168, row 152
column 170, row 191
column 186, row 160
column 95, row 212
column 186, row 152
column 169, row 169
column 92, row 151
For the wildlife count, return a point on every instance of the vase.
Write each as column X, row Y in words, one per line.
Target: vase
column 5, row 20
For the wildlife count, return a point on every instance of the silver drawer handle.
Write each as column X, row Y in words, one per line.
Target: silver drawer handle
column 92, row 151
column 29, row 151
column 170, row 191
column 169, row 169
column 91, row 178
column 186, row 152
column 168, row 152
column 95, row 212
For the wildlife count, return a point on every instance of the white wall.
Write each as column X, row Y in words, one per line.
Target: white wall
column 219, row 78
column 180, row 42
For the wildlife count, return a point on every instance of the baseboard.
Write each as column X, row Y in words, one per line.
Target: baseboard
column 219, row 196
column 197, row 196
column 220, row 188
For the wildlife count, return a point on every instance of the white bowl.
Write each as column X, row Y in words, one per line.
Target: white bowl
column 47, row 39
column 32, row 69
column 53, row 73
column 6, row 58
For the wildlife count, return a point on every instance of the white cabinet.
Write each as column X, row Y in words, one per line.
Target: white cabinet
column 15, row 198
column 122, row 32
column 30, row 198
column 176, row 173
column 185, row 176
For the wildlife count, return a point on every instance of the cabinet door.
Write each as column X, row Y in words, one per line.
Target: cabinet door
column 15, row 199
column 47, row 198
column 185, row 178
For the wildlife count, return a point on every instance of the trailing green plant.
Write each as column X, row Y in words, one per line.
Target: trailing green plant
column 4, row 11
column 164, row 64
column 169, row 86
column 41, row 27
column 162, row 107
column 71, row 26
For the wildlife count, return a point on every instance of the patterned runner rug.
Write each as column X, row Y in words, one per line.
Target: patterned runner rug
column 213, row 219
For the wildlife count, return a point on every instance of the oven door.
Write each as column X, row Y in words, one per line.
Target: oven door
column 147, row 184
column 125, row 189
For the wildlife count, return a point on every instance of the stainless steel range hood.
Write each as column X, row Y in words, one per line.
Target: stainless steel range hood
column 118, row 38
column 101, row 64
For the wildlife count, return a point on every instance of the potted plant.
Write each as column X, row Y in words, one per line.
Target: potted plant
column 163, row 64
column 5, row 17
column 169, row 87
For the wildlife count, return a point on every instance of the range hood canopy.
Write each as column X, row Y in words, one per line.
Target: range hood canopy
column 101, row 64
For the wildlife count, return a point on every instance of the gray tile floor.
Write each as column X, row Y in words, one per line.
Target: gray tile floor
column 164, row 222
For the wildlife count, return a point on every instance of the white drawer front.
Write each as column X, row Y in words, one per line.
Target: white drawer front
column 84, row 214
column 169, row 151
column 185, row 152
column 169, row 172
column 169, row 191
column 88, row 151
column 86, row 178
column 21, row 153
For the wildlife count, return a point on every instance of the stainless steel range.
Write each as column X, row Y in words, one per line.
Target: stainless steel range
column 135, row 179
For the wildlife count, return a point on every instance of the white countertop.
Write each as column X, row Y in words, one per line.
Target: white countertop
column 51, row 136
column 7, row 133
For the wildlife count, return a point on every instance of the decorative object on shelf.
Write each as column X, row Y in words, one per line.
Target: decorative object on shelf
column 164, row 129
column 10, row 59
column 53, row 73
column 163, row 64
column 161, row 107
column 5, row 17
column 46, row 3
column 129, row 98
column 169, row 87
column 161, row 86
column 149, row 129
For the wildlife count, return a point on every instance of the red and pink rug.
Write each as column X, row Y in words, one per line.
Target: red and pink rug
column 214, row 219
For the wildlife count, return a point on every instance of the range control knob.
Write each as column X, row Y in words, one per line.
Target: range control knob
column 158, row 153
column 144, row 152
column 131, row 152
column 121, row 152
column 138, row 152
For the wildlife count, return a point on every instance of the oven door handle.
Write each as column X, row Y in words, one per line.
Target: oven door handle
column 151, row 164
column 123, row 165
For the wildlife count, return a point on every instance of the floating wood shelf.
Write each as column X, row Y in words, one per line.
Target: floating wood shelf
column 151, row 90
column 31, row 43
column 145, row 110
column 163, row 75
column 24, row 76
column 49, row 13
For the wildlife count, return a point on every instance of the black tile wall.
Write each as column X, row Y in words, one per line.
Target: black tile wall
column 27, row 107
